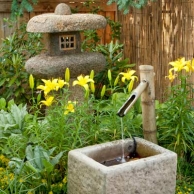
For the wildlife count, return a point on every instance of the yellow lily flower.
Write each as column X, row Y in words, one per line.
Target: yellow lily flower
column 190, row 65
column 49, row 86
column 61, row 83
column 171, row 76
column 51, row 83
column 180, row 64
column 128, row 75
column 70, row 107
column 48, row 101
column 83, row 81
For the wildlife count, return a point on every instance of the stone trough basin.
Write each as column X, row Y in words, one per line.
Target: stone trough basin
column 153, row 173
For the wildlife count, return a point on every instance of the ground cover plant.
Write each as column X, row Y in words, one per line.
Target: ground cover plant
column 37, row 147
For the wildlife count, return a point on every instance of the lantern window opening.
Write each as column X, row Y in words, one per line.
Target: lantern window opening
column 67, row 42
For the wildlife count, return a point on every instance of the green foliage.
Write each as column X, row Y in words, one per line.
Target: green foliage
column 18, row 7
column 176, row 115
column 38, row 160
column 37, row 168
column 176, row 120
column 115, row 29
column 185, row 178
column 39, row 148
column 126, row 4
column 91, row 37
column 12, row 125
column 15, row 50
column 5, row 105
column 12, row 121
column 91, row 40
column 113, row 53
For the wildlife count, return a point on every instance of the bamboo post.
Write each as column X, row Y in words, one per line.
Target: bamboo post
column 148, row 104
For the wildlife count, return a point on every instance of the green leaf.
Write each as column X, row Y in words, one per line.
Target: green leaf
column 30, row 154
column 56, row 159
column 29, row 165
column 48, row 166
column 2, row 103
column 38, row 156
column 2, row 81
column 18, row 114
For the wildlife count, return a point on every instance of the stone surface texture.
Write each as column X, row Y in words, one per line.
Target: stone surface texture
column 62, row 20
column 50, row 23
column 53, row 44
column 62, row 9
column 154, row 173
column 45, row 66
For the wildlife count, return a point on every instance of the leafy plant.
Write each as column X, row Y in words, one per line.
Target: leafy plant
column 12, row 121
column 125, row 5
column 113, row 53
column 91, row 40
column 12, row 127
column 115, row 29
column 175, row 116
column 18, row 7
column 15, row 50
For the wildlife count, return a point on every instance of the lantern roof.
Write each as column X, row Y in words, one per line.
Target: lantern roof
column 62, row 20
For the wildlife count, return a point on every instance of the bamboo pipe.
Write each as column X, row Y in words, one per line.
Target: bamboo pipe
column 132, row 99
column 148, row 104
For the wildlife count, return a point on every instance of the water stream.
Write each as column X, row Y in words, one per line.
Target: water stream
column 122, row 160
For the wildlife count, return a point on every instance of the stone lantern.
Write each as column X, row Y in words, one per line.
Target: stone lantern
column 62, row 29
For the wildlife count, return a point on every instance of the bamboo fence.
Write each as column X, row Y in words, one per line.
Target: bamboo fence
column 157, row 34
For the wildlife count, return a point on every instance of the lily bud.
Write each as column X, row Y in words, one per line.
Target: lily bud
column 31, row 81
column 67, row 75
column 109, row 75
column 116, row 81
column 130, row 86
column 92, row 87
column 103, row 91
column 92, row 74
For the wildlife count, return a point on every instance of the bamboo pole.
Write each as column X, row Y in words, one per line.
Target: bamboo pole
column 148, row 104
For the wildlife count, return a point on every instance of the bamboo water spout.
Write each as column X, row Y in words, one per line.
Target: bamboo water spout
column 132, row 99
column 147, row 92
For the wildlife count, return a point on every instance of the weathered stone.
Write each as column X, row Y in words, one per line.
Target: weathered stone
column 49, row 23
column 62, row 9
column 154, row 173
column 53, row 44
column 45, row 66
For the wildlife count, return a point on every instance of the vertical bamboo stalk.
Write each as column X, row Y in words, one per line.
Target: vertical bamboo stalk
column 148, row 104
